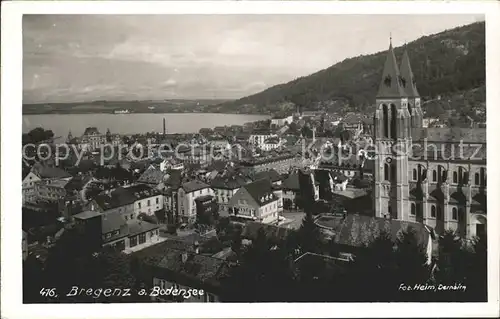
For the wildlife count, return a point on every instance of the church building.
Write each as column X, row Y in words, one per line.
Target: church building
column 435, row 176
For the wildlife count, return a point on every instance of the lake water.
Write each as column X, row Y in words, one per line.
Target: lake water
column 61, row 124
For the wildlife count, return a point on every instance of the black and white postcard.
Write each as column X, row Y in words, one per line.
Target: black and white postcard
column 301, row 159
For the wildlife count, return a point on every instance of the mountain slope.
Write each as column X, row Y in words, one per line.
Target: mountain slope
column 447, row 62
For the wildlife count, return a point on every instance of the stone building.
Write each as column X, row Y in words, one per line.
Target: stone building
column 435, row 176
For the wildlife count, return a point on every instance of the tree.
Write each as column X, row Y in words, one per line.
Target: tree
column 236, row 243
column 411, row 258
column 477, row 280
column 70, row 264
column 264, row 272
column 309, row 235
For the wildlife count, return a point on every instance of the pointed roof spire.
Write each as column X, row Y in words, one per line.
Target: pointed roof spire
column 407, row 76
column 390, row 85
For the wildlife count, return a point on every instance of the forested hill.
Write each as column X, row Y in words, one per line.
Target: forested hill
column 447, row 62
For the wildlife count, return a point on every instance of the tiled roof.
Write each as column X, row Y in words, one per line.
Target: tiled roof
column 174, row 179
column 261, row 191
column 292, row 182
column 125, row 196
column 205, row 269
column 233, row 181
column 87, row 214
column 51, row 172
column 151, row 176
column 449, row 152
column 193, row 186
column 358, row 230
column 390, row 84
column 352, row 119
column 139, row 226
column 407, row 74
column 276, row 233
column 111, row 222
column 271, row 175
column 450, row 134
column 77, row 183
column 91, row 131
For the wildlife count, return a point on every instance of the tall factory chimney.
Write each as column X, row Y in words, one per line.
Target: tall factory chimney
column 164, row 127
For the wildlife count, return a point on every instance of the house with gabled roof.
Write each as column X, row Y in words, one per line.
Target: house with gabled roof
column 169, row 266
column 225, row 185
column 256, row 201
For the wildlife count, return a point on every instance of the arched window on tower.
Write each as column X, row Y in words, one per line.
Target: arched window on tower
column 385, row 113
column 394, row 174
column 476, row 179
column 413, row 208
column 394, row 114
column 454, row 213
column 434, row 176
column 386, row 171
column 433, row 211
column 455, row 177
column 414, row 174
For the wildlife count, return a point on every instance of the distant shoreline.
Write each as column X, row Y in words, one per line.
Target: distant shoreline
column 73, row 112
column 135, row 107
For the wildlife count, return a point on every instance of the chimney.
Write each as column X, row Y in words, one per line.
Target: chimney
column 164, row 127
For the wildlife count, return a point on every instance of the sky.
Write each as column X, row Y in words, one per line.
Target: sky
column 81, row 58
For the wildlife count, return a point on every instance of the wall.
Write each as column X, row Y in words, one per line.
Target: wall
column 127, row 211
column 223, row 197
column 187, row 206
column 463, row 221
column 29, row 192
column 152, row 236
column 148, row 205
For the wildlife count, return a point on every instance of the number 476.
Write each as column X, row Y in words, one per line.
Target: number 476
column 48, row 292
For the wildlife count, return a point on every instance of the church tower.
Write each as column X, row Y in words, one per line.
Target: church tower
column 392, row 142
column 410, row 87
column 69, row 138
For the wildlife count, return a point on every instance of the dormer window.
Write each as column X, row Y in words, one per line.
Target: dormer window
column 388, row 80
column 402, row 80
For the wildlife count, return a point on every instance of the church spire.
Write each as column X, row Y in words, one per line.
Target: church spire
column 407, row 76
column 390, row 86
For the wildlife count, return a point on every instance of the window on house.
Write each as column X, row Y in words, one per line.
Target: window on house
column 413, row 208
column 386, row 172
column 476, row 179
column 149, row 202
column 142, row 238
column 414, row 174
column 454, row 213
column 455, row 177
column 157, row 200
column 133, row 241
column 126, row 217
column 434, row 176
column 139, row 204
column 131, row 216
column 433, row 211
